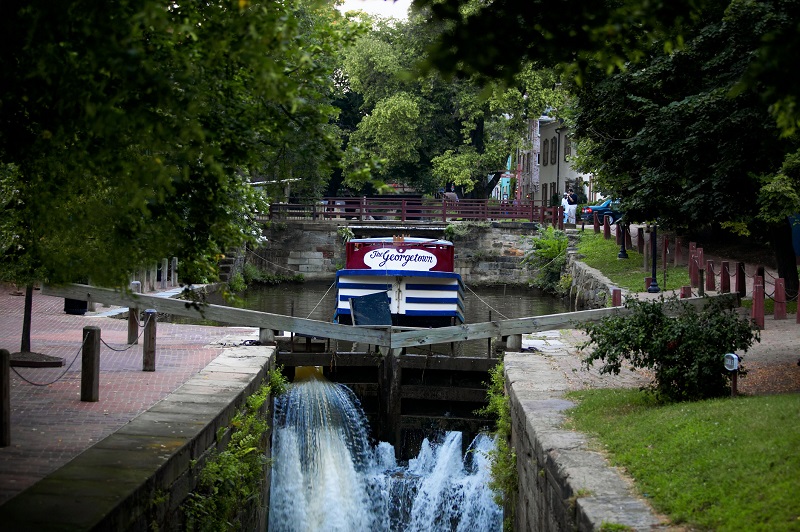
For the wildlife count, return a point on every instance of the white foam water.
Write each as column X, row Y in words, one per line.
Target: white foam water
column 327, row 476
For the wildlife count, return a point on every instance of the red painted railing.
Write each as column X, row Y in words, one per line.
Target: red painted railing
column 406, row 209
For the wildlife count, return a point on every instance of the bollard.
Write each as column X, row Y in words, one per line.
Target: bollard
column 628, row 238
column 640, row 242
column 616, row 297
column 647, row 282
column 133, row 316
column 692, row 264
column 606, row 228
column 596, row 223
column 149, row 341
column 757, row 312
column 686, row 292
column 701, row 282
column 514, row 343
column 780, row 299
column 710, row 277
column 678, row 252
column 90, row 365
column 741, row 281
column 725, row 277
column 164, row 270
column 173, row 273
column 5, row 398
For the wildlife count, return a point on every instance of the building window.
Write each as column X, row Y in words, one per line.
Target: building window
column 567, row 148
column 553, row 151
column 545, row 145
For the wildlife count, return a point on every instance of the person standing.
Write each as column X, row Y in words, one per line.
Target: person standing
column 565, row 206
column 572, row 206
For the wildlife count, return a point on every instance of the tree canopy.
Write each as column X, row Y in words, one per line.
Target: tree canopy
column 426, row 131
column 129, row 131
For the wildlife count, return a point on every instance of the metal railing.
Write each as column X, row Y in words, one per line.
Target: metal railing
column 416, row 209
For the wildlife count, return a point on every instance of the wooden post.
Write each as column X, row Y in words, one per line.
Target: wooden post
column 514, row 343
column 628, row 238
column 164, row 269
column 149, row 342
column 678, row 252
column 616, row 297
column 606, row 228
column 757, row 312
column 5, row 398
column 266, row 336
column 741, row 281
column 693, row 264
column 686, row 292
column 133, row 316
column 560, row 217
column 710, row 276
column 647, row 282
column 90, row 365
column 596, row 223
column 725, row 277
column 173, row 272
column 701, row 282
column 640, row 240
column 780, row 299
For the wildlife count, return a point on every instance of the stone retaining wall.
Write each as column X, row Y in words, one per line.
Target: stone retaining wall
column 485, row 253
column 563, row 483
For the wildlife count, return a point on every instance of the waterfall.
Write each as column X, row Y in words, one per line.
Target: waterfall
column 327, row 476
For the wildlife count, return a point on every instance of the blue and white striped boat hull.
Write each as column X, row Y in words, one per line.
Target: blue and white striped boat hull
column 416, row 299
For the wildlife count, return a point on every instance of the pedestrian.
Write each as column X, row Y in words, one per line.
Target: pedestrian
column 565, row 206
column 572, row 206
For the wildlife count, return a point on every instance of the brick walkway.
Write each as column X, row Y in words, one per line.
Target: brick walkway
column 49, row 424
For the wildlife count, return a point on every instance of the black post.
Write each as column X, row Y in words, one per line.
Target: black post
column 5, row 398
column 149, row 340
column 90, row 365
column 654, row 289
column 622, row 253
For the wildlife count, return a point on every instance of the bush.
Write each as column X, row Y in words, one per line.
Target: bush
column 548, row 257
column 685, row 352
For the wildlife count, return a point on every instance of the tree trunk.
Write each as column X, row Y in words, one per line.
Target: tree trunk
column 786, row 258
column 25, row 345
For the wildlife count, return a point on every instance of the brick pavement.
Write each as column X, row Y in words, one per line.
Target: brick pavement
column 49, row 423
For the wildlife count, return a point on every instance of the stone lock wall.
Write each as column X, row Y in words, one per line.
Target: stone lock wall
column 485, row 253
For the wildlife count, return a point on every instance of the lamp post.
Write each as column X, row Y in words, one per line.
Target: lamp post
column 653, row 288
column 622, row 253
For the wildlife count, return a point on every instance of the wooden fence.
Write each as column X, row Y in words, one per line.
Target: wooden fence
column 416, row 209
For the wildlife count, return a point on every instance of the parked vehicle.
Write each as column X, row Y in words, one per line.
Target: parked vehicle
column 606, row 208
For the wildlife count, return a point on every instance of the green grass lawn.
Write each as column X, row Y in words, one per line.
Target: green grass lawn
column 626, row 273
column 725, row 464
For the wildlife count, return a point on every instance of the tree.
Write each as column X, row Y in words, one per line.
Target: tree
column 128, row 131
column 668, row 137
column 423, row 129
column 494, row 38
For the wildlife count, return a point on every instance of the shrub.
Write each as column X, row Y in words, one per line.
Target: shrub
column 685, row 352
column 548, row 257
column 237, row 283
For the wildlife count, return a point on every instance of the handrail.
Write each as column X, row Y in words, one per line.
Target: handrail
column 391, row 337
column 416, row 209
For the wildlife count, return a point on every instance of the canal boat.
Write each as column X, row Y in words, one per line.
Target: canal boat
column 415, row 275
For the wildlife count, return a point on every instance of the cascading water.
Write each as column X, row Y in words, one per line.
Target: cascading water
column 326, row 475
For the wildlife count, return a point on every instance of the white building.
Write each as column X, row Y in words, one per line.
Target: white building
column 544, row 171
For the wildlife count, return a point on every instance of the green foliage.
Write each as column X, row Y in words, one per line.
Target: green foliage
column 133, row 128
column 503, row 458
column 231, row 480
column 722, row 464
column 253, row 275
column 462, row 229
column 237, row 283
column 548, row 258
column 345, row 234
column 684, row 352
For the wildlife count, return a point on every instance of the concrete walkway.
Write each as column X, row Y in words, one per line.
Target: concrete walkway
column 49, row 424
